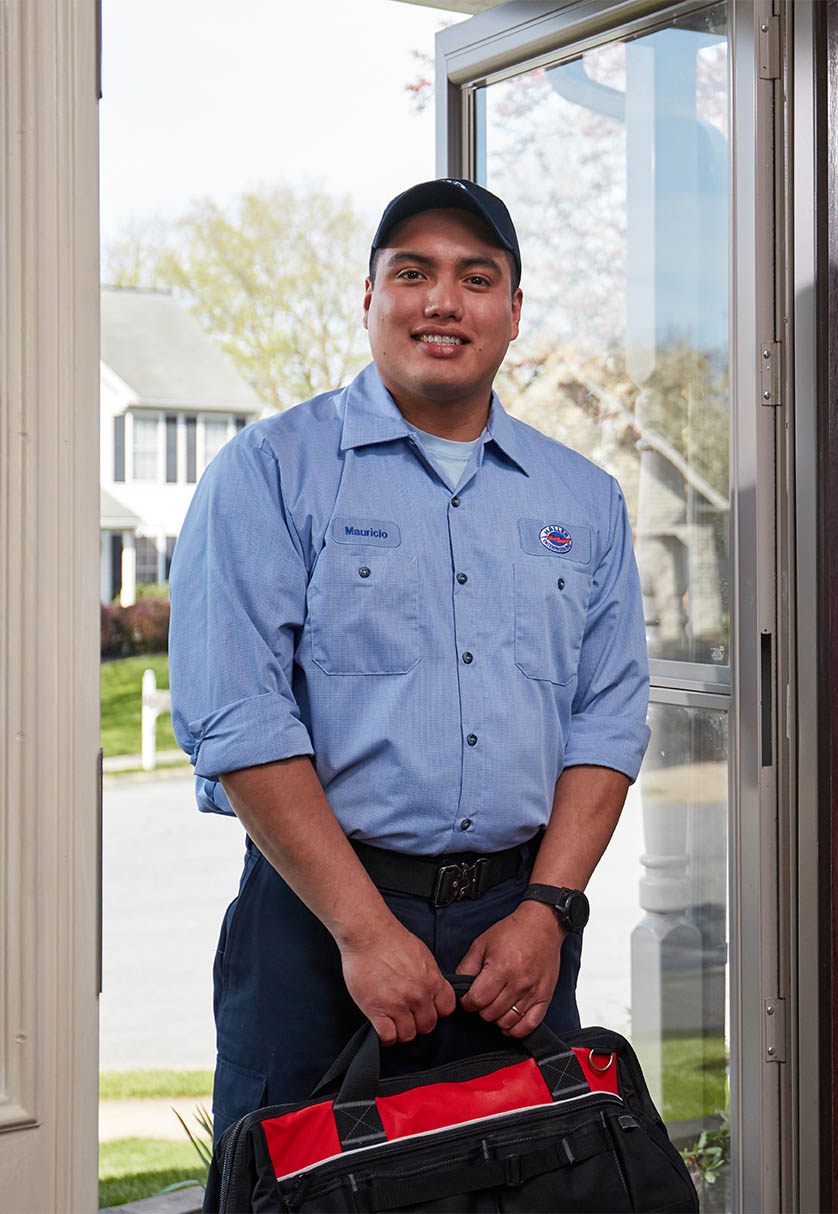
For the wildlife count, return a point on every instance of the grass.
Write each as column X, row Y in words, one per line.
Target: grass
column 694, row 1077
column 120, row 692
column 154, row 1085
column 133, row 1168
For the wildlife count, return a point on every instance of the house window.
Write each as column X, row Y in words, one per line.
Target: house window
column 145, row 448
column 170, row 552
column 171, row 448
column 215, row 436
column 241, row 422
column 146, row 559
column 191, row 450
column 119, row 448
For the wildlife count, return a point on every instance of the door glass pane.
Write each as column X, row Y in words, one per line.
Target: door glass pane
column 654, row 962
column 615, row 168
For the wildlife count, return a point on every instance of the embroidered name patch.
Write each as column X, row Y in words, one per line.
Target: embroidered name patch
column 366, row 531
column 564, row 539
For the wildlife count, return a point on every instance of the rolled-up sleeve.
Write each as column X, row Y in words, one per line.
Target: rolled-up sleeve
column 238, row 592
column 608, row 722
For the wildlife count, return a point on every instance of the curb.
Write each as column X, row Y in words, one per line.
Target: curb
column 181, row 1201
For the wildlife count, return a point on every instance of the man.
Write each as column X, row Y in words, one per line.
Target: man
column 407, row 650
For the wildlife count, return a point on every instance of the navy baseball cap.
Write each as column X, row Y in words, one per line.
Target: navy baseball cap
column 451, row 192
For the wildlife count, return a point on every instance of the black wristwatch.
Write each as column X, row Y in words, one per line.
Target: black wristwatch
column 571, row 905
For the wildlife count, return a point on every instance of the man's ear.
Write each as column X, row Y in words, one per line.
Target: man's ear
column 367, row 300
column 517, row 300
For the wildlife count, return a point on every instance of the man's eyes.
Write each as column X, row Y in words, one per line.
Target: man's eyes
column 473, row 280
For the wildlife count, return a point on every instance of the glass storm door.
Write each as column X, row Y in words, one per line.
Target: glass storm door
column 612, row 148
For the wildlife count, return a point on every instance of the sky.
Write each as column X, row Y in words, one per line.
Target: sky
column 212, row 97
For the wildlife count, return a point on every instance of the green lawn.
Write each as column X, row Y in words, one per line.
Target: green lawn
column 120, row 690
column 694, row 1077
column 155, row 1085
column 133, row 1168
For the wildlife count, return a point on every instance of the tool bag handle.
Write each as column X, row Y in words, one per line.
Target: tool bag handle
column 355, row 1111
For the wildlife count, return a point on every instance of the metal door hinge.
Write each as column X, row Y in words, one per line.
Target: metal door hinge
column 770, row 374
column 770, row 63
column 775, row 1030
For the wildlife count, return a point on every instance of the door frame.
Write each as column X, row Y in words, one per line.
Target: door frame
column 49, row 645
column 763, row 843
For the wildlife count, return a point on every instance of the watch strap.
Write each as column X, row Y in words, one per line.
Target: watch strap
column 556, row 896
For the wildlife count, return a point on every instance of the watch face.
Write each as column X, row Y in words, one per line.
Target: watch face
column 577, row 910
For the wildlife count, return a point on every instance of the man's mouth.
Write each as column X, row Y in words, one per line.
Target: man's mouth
column 440, row 339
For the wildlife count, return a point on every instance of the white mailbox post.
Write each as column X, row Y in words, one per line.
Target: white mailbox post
column 154, row 702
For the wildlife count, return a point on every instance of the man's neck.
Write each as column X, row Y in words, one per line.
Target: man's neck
column 461, row 421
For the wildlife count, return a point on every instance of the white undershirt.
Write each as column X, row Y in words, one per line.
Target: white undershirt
column 446, row 454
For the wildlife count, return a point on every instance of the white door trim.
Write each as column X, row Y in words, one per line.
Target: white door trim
column 49, row 515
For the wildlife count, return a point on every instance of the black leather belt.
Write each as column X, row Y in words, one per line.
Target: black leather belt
column 444, row 879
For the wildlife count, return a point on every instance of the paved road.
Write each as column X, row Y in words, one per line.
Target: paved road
column 169, row 873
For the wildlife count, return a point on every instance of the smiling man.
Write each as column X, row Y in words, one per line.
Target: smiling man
column 407, row 651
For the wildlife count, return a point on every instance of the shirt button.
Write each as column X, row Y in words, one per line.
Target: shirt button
column 455, row 501
column 465, row 824
column 364, row 571
column 462, row 578
column 560, row 583
column 472, row 739
column 468, row 657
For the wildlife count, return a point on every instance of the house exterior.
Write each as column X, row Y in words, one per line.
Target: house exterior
column 169, row 400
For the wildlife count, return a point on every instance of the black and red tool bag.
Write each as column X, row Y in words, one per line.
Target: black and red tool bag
column 540, row 1125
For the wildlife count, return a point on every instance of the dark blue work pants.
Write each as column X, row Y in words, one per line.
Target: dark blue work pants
column 283, row 1012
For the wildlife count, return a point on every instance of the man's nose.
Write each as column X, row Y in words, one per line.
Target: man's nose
column 443, row 299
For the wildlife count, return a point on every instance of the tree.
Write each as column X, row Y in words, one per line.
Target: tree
column 276, row 278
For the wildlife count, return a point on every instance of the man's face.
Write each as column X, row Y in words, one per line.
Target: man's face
column 442, row 312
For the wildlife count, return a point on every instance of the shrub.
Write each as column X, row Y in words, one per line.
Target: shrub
column 142, row 628
column 111, row 635
column 146, row 624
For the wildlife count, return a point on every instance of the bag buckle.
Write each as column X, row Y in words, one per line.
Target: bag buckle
column 457, row 881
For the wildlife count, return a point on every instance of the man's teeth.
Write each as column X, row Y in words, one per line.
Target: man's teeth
column 438, row 339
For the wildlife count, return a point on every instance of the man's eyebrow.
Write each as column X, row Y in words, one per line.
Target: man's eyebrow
column 397, row 259
column 465, row 263
column 471, row 263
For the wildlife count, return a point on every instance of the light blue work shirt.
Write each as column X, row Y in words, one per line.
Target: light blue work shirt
column 443, row 651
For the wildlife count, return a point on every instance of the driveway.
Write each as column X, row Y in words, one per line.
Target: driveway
column 169, row 873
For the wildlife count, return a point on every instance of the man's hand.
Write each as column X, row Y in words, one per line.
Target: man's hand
column 397, row 984
column 516, row 962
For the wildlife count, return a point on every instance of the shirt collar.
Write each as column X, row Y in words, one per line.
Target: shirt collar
column 371, row 416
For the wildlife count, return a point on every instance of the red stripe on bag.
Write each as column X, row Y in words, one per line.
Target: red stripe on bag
column 435, row 1105
column 599, row 1069
column 297, row 1140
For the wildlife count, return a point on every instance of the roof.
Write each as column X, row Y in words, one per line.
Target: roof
column 161, row 352
column 113, row 516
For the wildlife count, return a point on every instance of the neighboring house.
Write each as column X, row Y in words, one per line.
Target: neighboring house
column 170, row 400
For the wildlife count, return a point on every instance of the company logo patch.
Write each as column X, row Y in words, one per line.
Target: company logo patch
column 567, row 541
column 556, row 538
column 366, row 531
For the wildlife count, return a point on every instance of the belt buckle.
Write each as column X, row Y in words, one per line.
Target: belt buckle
column 457, row 881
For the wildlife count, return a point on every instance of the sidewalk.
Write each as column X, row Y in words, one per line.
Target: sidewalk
column 150, row 1118
column 129, row 762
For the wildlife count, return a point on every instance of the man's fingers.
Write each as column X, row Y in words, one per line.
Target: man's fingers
column 386, row 1029
column 445, row 1000
column 523, row 1025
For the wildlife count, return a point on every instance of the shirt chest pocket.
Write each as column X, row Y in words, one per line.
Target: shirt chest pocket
column 551, row 607
column 363, row 611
